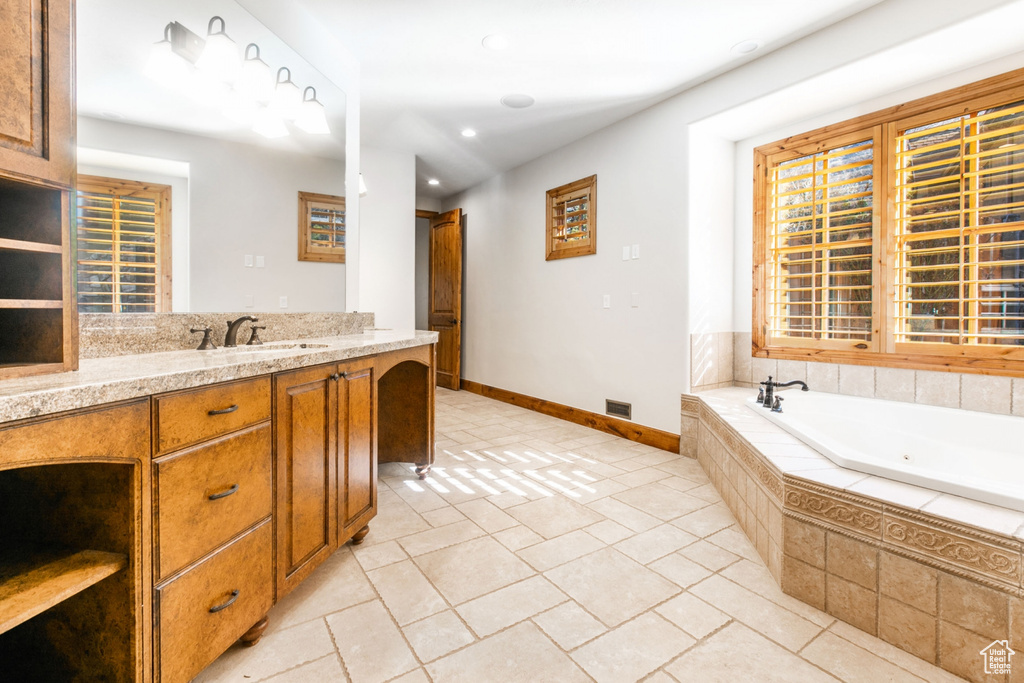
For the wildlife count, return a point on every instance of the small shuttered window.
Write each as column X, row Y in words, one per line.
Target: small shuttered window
column 959, row 255
column 321, row 228
column 821, row 231
column 124, row 251
column 572, row 219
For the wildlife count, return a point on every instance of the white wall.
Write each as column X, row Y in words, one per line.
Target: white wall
column 537, row 327
column 387, row 266
column 243, row 199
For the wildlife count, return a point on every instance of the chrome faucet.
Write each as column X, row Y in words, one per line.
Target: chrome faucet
column 230, row 339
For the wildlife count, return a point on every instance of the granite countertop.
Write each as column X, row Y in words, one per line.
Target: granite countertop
column 116, row 378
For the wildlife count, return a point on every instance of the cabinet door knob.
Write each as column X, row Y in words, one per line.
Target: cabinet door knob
column 231, row 601
column 223, row 411
column 223, row 494
column 338, row 375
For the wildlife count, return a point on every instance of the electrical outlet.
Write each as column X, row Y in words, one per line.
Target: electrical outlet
column 636, row 251
column 607, row 301
column 625, row 253
column 248, row 301
column 248, row 260
column 261, row 261
column 283, row 302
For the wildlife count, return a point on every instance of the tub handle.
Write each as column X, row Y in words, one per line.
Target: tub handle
column 777, row 406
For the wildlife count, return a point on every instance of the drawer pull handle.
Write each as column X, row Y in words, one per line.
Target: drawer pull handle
column 223, row 494
column 223, row 411
column 231, row 601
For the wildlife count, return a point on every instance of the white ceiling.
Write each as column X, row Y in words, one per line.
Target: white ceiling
column 425, row 74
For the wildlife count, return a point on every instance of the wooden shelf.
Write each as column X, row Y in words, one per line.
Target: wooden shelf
column 22, row 245
column 31, row 586
column 31, row 303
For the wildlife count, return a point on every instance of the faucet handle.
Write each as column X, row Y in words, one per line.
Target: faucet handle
column 207, row 343
column 777, row 406
column 254, row 338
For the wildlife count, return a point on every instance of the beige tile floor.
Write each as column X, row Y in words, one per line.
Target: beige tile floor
column 540, row 550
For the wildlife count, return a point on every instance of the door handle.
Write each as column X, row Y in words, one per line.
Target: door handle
column 455, row 321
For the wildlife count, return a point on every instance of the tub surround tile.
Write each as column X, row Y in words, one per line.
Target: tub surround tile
column 976, row 608
column 986, row 393
column 959, row 653
column 981, row 515
column 895, row 492
column 762, row 368
column 908, row 628
column 852, row 603
column 857, row 380
column 895, row 384
column 741, row 358
column 909, row 582
column 1017, row 397
column 852, row 560
column 823, row 377
column 938, row 388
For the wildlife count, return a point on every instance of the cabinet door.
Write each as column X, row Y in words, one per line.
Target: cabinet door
column 306, row 448
column 36, row 107
column 357, row 444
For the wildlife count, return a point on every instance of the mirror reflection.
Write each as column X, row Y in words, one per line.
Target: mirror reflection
column 197, row 130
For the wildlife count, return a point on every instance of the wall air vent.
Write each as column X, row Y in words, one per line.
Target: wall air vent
column 618, row 409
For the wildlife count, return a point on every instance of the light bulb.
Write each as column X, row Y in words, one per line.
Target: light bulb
column 312, row 117
column 287, row 99
column 255, row 80
column 220, row 54
column 165, row 66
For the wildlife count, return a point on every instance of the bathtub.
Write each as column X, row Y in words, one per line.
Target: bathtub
column 966, row 453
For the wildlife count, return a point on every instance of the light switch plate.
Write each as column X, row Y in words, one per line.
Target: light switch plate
column 248, row 260
column 635, row 300
column 625, row 253
column 261, row 261
column 636, row 251
column 607, row 301
column 283, row 302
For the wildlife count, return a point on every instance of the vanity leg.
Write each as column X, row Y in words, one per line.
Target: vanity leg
column 423, row 470
column 358, row 536
column 253, row 635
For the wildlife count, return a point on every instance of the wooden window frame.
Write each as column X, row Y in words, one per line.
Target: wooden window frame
column 559, row 196
column 307, row 250
column 885, row 125
column 161, row 194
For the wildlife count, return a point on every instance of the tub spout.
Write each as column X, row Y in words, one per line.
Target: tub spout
column 803, row 385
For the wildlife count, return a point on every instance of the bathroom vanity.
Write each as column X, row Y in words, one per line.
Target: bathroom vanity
column 154, row 507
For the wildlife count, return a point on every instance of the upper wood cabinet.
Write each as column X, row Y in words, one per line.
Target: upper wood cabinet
column 38, row 316
column 37, row 129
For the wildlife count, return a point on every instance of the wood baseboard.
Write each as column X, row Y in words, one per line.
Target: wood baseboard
column 650, row 436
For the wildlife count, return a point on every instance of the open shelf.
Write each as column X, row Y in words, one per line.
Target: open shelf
column 29, row 587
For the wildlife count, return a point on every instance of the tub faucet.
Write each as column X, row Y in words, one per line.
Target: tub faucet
column 766, row 395
column 230, row 339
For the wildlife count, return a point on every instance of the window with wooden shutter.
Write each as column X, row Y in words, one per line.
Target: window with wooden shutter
column 124, row 247
column 959, row 256
column 897, row 238
column 820, row 246
column 572, row 219
column 321, row 228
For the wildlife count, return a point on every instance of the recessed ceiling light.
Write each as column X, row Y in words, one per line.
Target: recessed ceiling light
column 433, row 181
column 468, row 133
column 495, row 41
column 746, row 47
column 517, row 101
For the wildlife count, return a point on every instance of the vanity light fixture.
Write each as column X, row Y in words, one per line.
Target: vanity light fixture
column 166, row 62
column 312, row 117
column 468, row 133
column 220, row 54
column 287, row 99
column 255, row 80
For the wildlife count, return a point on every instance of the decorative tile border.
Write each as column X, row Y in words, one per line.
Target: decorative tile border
column 826, row 507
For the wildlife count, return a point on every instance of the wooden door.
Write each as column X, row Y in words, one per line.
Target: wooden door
column 445, row 304
column 306, row 447
column 357, row 462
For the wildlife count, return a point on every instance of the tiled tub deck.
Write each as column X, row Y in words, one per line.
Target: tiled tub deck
column 934, row 574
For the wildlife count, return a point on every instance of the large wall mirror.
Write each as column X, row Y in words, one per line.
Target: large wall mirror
column 234, row 191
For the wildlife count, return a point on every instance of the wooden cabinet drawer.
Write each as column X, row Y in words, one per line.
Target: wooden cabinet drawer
column 210, row 493
column 187, row 417
column 195, row 626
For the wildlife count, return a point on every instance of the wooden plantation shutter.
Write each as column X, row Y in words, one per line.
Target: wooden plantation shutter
column 572, row 219
column 819, row 250
column 959, row 254
column 124, row 249
column 321, row 227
